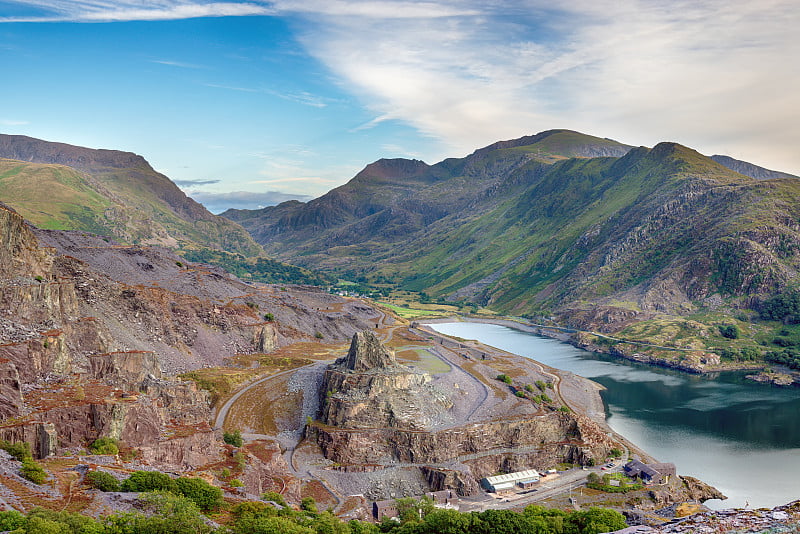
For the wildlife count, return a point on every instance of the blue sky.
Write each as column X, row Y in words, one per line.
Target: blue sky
column 249, row 103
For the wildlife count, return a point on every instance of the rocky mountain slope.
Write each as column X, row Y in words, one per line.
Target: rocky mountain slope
column 108, row 192
column 549, row 223
column 92, row 333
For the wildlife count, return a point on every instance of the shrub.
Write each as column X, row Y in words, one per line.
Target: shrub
column 11, row 520
column 529, row 388
column 102, row 481
column 20, row 450
column 269, row 317
column 730, row 331
column 233, row 438
column 318, row 335
column 309, row 505
column 33, row 471
column 149, row 481
column 236, row 483
column 200, row 492
column 520, row 394
column 104, row 445
column 274, row 497
column 504, row 378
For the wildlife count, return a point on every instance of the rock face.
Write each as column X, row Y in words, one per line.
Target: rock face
column 369, row 389
column 378, row 414
column 89, row 328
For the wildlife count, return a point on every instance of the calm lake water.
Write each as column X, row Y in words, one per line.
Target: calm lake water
column 739, row 436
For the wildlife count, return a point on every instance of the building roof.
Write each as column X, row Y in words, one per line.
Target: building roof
column 513, row 477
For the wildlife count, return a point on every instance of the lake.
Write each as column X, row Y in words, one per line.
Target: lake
column 739, row 436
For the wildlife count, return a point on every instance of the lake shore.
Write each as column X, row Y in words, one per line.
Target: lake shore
column 581, row 394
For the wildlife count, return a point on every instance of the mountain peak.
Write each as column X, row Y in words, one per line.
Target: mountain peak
column 24, row 148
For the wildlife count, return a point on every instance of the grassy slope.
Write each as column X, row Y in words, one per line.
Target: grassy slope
column 126, row 204
column 52, row 196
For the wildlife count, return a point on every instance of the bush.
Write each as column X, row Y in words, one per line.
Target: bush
column 269, row 317
column 275, row 497
column 102, row 481
column 520, row 394
column 318, row 335
column 33, row 471
column 504, row 378
column 730, row 331
column 104, row 446
column 233, row 438
column 149, row 481
column 11, row 520
column 200, row 492
column 20, row 450
column 309, row 505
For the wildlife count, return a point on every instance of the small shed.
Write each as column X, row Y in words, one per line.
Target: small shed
column 507, row 482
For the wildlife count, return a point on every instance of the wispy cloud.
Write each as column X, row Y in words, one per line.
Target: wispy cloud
column 301, row 97
column 126, row 10
column 707, row 73
column 13, row 122
column 180, row 64
column 195, row 183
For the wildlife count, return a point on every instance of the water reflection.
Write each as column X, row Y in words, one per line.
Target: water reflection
column 737, row 435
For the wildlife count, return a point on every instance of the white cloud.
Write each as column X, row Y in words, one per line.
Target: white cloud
column 126, row 10
column 13, row 122
column 720, row 76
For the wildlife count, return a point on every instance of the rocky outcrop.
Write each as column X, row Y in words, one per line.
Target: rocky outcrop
column 125, row 370
column 10, row 390
column 682, row 489
column 369, row 389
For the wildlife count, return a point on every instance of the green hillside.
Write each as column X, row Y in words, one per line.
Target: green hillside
column 108, row 192
column 554, row 223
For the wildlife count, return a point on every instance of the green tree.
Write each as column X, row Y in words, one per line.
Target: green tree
column 204, row 495
column 32, row 471
column 233, row 438
column 168, row 514
column 308, row 504
column 149, row 481
column 275, row 497
column 104, row 445
column 102, row 481
column 11, row 520
column 20, row 450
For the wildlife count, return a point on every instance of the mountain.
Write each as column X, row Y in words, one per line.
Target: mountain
column 553, row 222
column 748, row 169
column 108, row 192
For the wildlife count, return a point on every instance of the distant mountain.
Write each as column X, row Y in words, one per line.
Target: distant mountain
column 60, row 186
column 555, row 221
column 748, row 169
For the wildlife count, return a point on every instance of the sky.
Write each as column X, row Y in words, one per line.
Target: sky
column 249, row 103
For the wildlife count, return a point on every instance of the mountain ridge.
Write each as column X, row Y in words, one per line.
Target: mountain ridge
column 522, row 226
column 119, row 193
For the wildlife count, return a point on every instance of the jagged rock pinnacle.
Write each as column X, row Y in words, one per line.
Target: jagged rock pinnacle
column 366, row 353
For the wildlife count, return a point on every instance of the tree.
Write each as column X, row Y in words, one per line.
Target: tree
column 32, row 471
column 308, row 504
column 149, row 481
column 169, row 514
column 104, row 445
column 200, row 492
column 102, row 481
column 730, row 331
column 233, row 438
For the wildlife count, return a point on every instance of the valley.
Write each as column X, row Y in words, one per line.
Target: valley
column 114, row 327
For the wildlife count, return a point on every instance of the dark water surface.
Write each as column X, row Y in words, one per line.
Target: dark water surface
column 739, row 436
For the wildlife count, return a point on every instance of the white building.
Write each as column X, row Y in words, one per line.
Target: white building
column 507, row 482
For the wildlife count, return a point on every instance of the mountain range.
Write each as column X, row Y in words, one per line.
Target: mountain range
column 108, row 192
column 553, row 222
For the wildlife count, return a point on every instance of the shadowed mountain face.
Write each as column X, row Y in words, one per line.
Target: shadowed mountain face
column 548, row 222
column 60, row 186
